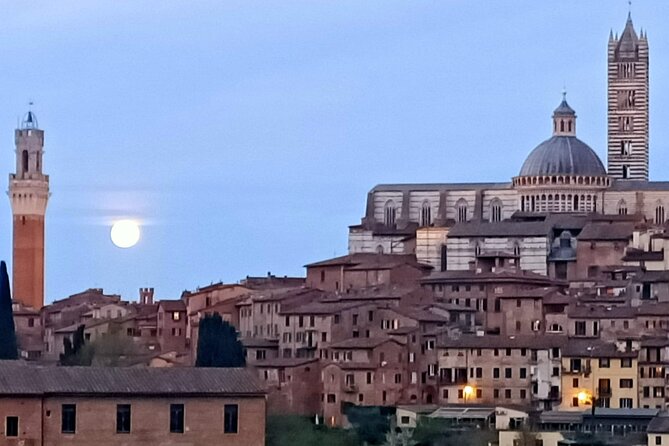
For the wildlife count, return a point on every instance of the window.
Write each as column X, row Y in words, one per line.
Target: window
column 658, row 439
column 177, row 418
column 24, row 159
column 626, row 384
column 626, row 171
column 389, row 213
column 176, row 316
column 426, row 214
column 659, row 214
column 68, row 418
column 523, row 373
column 495, row 210
column 495, row 393
column 574, row 382
column 625, row 403
column 508, row 372
column 625, row 147
column 626, row 363
column 12, row 427
column 495, row 373
column 230, row 418
column 507, row 394
column 461, row 208
column 369, row 377
column 579, row 327
column 123, row 418
column 604, row 363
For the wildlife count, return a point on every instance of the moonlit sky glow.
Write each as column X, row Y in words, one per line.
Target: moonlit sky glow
column 244, row 135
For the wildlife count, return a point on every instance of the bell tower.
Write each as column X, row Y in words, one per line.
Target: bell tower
column 628, row 104
column 28, row 194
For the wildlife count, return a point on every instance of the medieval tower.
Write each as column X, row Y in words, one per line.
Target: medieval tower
column 628, row 104
column 28, row 194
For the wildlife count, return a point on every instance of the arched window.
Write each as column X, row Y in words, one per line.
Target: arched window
column 516, row 249
column 496, row 210
column 659, row 213
column 576, row 202
column 569, row 125
column 626, row 171
column 561, row 125
column 389, row 214
column 461, row 208
column 24, row 160
column 622, row 207
column 379, row 249
column 426, row 214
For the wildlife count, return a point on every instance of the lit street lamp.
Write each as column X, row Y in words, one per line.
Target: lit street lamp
column 467, row 391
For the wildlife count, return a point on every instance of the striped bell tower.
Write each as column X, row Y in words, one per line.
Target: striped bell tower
column 628, row 104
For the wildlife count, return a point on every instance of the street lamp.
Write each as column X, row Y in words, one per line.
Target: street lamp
column 467, row 391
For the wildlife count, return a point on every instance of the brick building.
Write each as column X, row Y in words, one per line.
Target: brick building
column 41, row 406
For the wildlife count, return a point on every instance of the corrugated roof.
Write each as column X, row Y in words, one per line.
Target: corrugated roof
column 23, row 379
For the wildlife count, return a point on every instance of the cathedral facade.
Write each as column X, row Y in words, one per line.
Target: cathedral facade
column 561, row 176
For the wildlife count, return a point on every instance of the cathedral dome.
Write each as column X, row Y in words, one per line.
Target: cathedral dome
column 563, row 155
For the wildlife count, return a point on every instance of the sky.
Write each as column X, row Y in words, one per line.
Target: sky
column 244, row 135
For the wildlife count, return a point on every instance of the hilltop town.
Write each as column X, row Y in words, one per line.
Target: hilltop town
column 537, row 306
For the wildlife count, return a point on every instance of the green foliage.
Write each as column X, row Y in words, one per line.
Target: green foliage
column 76, row 352
column 217, row 344
column 111, row 350
column 8, row 347
column 292, row 430
column 370, row 424
column 436, row 432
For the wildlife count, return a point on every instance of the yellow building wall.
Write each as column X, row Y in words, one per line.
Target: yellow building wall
column 588, row 383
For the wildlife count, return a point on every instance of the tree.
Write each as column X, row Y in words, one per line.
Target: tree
column 75, row 350
column 111, row 350
column 8, row 347
column 217, row 344
column 293, row 430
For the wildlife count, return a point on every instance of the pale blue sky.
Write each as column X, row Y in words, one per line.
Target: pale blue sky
column 246, row 134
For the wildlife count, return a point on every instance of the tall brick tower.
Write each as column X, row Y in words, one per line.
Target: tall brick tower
column 28, row 194
column 628, row 104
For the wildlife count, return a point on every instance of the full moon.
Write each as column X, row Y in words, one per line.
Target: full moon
column 125, row 233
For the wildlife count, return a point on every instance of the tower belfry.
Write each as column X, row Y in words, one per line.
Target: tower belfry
column 628, row 104
column 28, row 194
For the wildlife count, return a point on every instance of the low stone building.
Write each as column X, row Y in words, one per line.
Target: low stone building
column 42, row 406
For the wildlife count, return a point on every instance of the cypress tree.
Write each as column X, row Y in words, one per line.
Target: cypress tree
column 217, row 344
column 8, row 347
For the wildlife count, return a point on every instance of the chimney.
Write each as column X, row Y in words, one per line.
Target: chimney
column 146, row 296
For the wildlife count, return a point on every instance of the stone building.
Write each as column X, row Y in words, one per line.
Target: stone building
column 42, row 406
column 561, row 175
column 28, row 194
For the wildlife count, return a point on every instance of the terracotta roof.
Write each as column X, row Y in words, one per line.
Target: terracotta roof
column 658, row 309
column 172, row 305
column 23, row 379
column 370, row 261
column 540, row 341
column 260, row 342
column 594, row 348
column 353, row 365
column 469, row 276
column 601, row 312
column 321, row 308
column 283, row 362
column 362, row 343
column 607, row 231
column 638, row 255
column 659, row 425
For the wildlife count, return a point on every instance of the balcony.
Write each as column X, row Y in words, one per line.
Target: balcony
column 445, row 381
column 350, row 388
